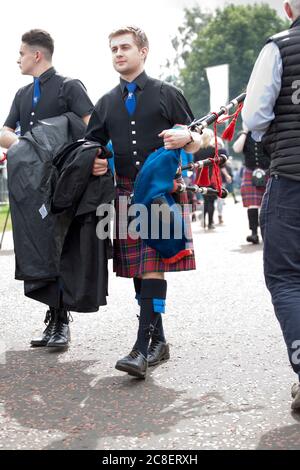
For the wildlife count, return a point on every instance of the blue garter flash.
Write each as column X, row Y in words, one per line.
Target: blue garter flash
column 159, row 305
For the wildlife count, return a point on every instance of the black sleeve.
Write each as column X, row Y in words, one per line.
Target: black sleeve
column 174, row 105
column 223, row 151
column 14, row 114
column 77, row 98
column 97, row 130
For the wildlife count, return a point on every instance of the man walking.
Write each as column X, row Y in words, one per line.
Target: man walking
column 49, row 95
column 272, row 114
column 137, row 116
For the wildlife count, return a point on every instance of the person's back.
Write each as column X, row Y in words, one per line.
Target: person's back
column 272, row 114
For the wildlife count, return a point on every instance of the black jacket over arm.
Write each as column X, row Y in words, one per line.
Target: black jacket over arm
column 46, row 244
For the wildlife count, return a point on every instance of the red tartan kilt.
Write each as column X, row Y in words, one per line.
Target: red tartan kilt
column 251, row 195
column 132, row 258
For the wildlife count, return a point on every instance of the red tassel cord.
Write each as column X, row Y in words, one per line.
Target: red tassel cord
column 215, row 180
column 202, row 178
column 229, row 131
column 3, row 158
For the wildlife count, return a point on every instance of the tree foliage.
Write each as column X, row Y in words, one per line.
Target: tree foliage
column 233, row 35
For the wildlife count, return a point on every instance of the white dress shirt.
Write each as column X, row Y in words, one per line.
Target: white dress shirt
column 262, row 91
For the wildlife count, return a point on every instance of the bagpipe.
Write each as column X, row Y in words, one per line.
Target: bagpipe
column 161, row 176
column 203, row 181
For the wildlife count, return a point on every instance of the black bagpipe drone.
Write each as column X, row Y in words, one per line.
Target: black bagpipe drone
column 203, row 182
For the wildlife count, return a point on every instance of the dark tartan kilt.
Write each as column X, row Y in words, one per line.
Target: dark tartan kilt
column 251, row 195
column 132, row 258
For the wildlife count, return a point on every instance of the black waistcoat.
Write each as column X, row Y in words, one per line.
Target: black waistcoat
column 135, row 137
column 52, row 102
column 282, row 140
column 254, row 154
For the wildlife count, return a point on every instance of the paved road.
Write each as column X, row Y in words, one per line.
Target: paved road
column 227, row 385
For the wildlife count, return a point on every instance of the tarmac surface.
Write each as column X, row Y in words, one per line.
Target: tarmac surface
column 226, row 386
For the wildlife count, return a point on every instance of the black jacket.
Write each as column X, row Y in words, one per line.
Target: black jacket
column 41, row 238
column 83, row 264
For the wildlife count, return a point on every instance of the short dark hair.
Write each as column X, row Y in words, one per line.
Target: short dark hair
column 139, row 35
column 40, row 38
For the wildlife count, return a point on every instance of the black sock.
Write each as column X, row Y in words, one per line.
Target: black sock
column 63, row 315
column 137, row 287
column 253, row 220
column 137, row 282
column 158, row 333
column 153, row 295
column 211, row 210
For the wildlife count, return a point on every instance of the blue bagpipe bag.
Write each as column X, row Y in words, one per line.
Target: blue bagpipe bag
column 165, row 226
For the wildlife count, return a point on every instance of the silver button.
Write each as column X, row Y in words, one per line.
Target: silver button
column 134, row 142
column 137, row 163
column 31, row 123
column 32, row 114
column 133, row 132
column 133, row 123
column 134, row 153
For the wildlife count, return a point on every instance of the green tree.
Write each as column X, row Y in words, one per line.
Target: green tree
column 233, row 35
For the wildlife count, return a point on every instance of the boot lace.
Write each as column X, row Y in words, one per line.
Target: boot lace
column 134, row 354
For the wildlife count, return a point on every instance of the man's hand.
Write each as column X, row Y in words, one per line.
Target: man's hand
column 7, row 137
column 175, row 138
column 100, row 165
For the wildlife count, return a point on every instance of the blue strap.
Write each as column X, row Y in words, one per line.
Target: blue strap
column 130, row 102
column 159, row 305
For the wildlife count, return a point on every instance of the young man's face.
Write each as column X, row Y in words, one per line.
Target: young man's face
column 127, row 57
column 27, row 60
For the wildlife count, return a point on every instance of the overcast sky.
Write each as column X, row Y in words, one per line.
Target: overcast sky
column 80, row 29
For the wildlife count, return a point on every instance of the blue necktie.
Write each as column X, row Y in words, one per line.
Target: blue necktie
column 130, row 102
column 36, row 92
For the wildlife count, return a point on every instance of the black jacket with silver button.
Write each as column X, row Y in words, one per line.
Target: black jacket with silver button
column 159, row 106
column 255, row 157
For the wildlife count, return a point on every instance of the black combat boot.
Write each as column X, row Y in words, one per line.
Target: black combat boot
column 61, row 335
column 253, row 225
column 50, row 321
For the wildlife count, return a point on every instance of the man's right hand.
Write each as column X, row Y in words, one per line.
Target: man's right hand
column 100, row 165
column 7, row 137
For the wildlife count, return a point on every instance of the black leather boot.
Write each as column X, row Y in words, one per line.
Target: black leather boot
column 134, row 364
column 50, row 321
column 253, row 238
column 158, row 353
column 253, row 225
column 61, row 335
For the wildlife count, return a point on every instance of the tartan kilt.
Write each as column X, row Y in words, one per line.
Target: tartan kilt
column 133, row 258
column 251, row 195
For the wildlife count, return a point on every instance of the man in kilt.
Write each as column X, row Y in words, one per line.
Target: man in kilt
column 252, row 195
column 138, row 116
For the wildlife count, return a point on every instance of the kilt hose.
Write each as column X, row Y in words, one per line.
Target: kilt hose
column 251, row 195
column 132, row 257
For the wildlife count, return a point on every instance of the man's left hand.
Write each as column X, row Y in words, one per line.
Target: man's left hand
column 100, row 165
column 175, row 138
